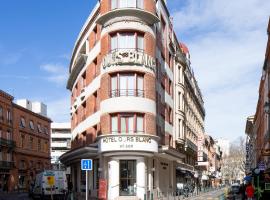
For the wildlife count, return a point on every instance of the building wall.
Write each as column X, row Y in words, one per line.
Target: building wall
column 101, row 107
column 28, row 149
column 6, row 138
column 60, row 142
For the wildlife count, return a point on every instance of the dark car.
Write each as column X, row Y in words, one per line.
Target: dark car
column 235, row 188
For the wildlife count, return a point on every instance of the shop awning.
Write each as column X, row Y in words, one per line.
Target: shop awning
column 248, row 178
column 78, row 154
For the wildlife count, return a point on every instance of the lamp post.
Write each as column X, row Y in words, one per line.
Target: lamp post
column 257, row 172
column 196, row 175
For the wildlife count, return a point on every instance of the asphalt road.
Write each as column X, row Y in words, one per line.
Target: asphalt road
column 14, row 196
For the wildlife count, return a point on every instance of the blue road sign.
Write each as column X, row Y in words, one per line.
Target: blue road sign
column 86, row 164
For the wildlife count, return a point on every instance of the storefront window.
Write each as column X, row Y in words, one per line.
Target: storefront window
column 127, row 177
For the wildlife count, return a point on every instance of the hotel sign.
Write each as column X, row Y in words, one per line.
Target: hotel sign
column 128, row 143
column 129, row 56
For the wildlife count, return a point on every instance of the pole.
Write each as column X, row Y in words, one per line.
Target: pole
column 51, row 193
column 86, row 186
column 258, row 185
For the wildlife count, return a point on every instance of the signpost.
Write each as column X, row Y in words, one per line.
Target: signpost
column 86, row 165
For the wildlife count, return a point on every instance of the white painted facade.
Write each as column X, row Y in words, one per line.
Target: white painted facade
column 60, row 141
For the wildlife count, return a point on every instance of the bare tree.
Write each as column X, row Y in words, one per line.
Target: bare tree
column 233, row 165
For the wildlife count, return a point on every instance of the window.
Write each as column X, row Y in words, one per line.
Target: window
column 31, row 140
column 127, row 85
column 83, row 81
column 39, row 145
column 46, row 130
column 22, row 140
column 95, row 34
column 9, row 119
column 39, row 128
column 31, row 164
column 8, row 135
column 46, row 147
column 127, row 40
column 22, row 122
column 127, row 123
column 1, row 113
column 179, row 101
column 8, row 156
column 179, row 74
column 31, row 125
column 127, row 177
column 22, row 164
column 126, row 4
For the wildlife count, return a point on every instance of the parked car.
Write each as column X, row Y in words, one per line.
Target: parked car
column 235, row 188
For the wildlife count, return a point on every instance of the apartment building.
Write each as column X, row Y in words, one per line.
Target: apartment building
column 7, row 143
column 60, row 142
column 26, row 138
column 122, row 83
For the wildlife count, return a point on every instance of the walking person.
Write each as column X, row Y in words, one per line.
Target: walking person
column 250, row 191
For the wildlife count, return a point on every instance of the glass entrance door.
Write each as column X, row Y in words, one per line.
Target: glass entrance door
column 127, row 177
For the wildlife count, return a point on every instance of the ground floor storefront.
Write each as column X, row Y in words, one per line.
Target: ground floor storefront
column 146, row 172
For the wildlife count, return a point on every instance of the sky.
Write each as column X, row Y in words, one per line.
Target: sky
column 226, row 40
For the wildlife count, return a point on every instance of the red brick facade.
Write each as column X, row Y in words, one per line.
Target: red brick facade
column 29, row 144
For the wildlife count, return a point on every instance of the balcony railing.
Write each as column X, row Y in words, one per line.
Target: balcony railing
column 7, row 143
column 6, row 165
column 126, row 93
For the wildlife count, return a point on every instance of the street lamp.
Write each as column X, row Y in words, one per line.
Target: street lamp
column 196, row 175
column 258, row 192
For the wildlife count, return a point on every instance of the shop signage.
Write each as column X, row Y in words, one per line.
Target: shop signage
column 102, row 192
column 200, row 149
column 128, row 142
column 202, row 163
column 261, row 166
column 129, row 56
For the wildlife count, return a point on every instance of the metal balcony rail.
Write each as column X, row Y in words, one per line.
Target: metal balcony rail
column 6, row 164
column 126, row 93
column 8, row 143
column 127, row 49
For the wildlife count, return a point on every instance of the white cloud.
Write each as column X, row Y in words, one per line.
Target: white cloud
column 58, row 110
column 57, row 73
column 227, row 41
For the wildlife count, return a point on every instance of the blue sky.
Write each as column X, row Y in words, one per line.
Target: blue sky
column 226, row 39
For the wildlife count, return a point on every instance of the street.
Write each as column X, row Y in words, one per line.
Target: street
column 14, row 196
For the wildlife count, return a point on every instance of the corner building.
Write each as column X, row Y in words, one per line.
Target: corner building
column 121, row 80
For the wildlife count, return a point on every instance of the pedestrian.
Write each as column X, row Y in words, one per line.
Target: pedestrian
column 250, row 191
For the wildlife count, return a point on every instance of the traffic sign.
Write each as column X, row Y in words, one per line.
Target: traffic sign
column 86, row 164
column 261, row 166
column 50, row 180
